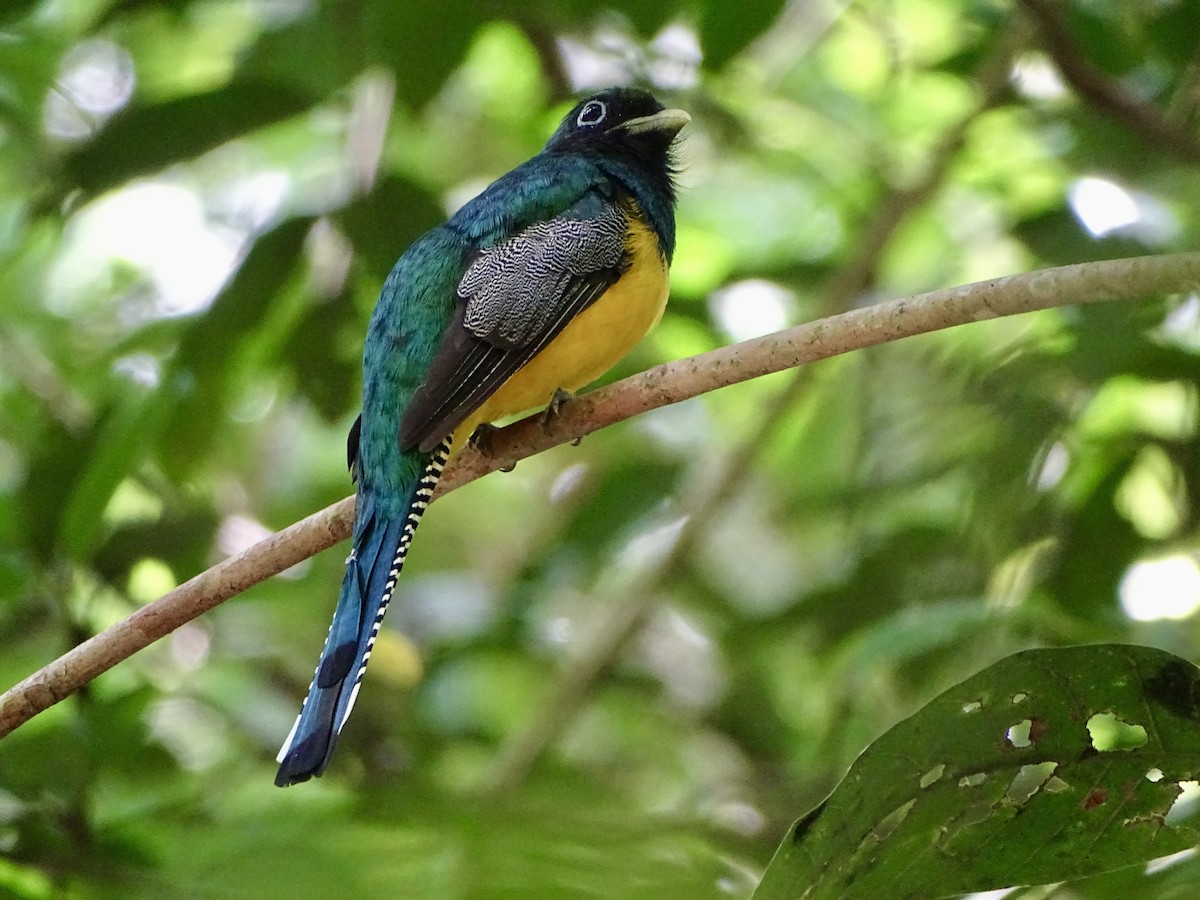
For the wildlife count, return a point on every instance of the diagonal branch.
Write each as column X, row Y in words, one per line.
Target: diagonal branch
column 1094, row 86
column 1122, row 279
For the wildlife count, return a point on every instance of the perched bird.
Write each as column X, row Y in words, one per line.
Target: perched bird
column 538, row 285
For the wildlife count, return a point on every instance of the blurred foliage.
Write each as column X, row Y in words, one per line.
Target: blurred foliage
column 199, row 200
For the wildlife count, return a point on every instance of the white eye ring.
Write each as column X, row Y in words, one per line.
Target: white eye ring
column 593, row 113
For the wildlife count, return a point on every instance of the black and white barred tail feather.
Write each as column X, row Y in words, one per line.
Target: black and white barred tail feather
column 380, row 548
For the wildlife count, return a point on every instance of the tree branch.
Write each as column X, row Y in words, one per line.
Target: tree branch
column 1123, row 279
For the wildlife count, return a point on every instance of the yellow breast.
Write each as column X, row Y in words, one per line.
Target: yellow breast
column 592, row 342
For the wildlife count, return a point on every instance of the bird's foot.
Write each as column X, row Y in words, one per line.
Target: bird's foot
column 554, row 410
column 483, row 438
column 554, row 407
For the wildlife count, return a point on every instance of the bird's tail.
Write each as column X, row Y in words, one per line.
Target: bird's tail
column 380, row 547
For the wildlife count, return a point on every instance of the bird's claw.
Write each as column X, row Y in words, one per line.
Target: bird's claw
column 554, row 407
column 483, row 438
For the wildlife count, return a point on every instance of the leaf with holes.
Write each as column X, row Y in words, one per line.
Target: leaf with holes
column 1050, row 765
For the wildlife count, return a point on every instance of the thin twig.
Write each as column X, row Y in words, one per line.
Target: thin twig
column 1123, row 279
column 27, row 365
column 1094, row 86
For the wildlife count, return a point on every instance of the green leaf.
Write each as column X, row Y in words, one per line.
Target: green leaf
column 1110, row 39
column 331, row 44
column 144, row 139
column 1051, row 764
column 726, row 28
column 205, row 372
column 382, row 223
column 15, row 10
column 422, row 49
column 30, row 61
column 122, row 441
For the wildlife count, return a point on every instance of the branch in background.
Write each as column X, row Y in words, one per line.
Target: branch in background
column 1096, row 88
column 1122, row 279
column 28, row 365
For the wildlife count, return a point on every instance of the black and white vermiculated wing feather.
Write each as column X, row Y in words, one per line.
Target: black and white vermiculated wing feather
column 515, row 298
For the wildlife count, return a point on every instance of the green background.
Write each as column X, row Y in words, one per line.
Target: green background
column 198, row 204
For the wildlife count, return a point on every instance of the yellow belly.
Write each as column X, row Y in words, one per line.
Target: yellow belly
column 593, row 341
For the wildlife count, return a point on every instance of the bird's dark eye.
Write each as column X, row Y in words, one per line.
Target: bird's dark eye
column 593, row 113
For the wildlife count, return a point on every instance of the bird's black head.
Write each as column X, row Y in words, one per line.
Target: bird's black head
column 628, row 135
column 620, row 120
